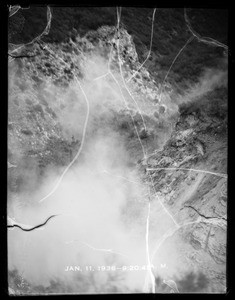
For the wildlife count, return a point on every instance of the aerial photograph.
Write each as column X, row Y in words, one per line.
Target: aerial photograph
column 117, row 150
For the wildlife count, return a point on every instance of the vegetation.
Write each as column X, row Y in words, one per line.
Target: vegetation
column 170, row 34
column 188, row 283
column 214, row 104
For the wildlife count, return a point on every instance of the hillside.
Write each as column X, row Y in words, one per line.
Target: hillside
column 130, row 157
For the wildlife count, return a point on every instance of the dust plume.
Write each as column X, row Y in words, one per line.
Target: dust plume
column 101, row 203
column 209, row 80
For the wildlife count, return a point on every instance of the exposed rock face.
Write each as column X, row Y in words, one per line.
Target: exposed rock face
column 197, row 143
column 33, row 121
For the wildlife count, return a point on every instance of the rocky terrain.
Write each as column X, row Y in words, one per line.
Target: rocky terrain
column 167, row 136
column 198, row 143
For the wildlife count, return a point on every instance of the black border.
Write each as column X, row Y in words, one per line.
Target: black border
column 4, row 120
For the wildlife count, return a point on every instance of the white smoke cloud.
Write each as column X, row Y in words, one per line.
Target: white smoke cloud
column 91, row 205
column 210, row 79
column 101, row 202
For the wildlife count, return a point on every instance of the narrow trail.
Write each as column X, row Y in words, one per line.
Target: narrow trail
column 120, row 67
column 206, row 40
column 110, row 251
column 45, row 32
column 81, row 146
column 174, row 60
column 216, row 221
column 194, row 170
column 151, row 275
column 150, row 48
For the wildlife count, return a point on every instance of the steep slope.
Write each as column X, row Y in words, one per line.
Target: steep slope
column 189, row 176
column 152, row 160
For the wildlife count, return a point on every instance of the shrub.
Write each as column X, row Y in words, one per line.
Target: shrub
column 16, row 102
column 38, row 108
column 28, row 101
column 27, row 132
column 50, row 111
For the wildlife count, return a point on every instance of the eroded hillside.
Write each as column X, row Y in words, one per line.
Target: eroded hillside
column 133, row 165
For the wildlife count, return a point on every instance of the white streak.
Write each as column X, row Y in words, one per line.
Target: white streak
column 162, row 86
column 216, row 222
column 149, row 265
column 97, row 249
column 185, row 169
column 200, row 38
column 45, row 32
column 82, row 142
column 80, row 148
column 120, row 68
column 150, row 48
